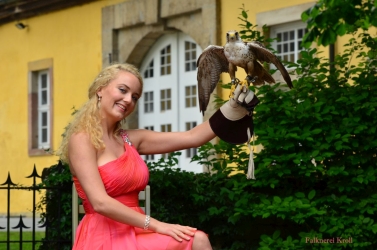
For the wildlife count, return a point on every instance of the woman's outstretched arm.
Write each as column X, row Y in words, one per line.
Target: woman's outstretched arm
column 151, row 142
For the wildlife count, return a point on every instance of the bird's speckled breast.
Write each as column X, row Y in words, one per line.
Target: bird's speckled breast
column 238, row 54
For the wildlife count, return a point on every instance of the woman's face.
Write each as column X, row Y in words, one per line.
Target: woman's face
column 120, row 96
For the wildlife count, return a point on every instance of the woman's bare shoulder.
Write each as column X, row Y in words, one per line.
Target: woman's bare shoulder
column 80, row 136
column 80, row 140
column 136, row 136
column 81, row 153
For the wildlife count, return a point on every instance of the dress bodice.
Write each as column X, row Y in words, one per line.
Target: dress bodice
column 123, row 177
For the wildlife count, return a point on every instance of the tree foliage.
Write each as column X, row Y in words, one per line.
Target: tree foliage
column 329, row 19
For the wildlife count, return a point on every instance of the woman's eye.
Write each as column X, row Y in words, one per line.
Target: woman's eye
column 122, row 90
column 135, row 98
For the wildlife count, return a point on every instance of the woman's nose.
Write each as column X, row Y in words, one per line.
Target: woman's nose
column 127, row 98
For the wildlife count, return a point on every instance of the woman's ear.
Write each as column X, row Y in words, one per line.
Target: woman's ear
column 99, row 93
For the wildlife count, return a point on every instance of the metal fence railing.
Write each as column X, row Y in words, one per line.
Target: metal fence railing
column 24, row 224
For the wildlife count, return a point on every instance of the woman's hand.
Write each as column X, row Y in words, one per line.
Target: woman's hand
column 178, row 232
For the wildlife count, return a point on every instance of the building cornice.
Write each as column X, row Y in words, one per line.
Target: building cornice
column 17, row 10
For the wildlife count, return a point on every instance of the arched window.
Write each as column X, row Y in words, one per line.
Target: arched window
column 169, row 101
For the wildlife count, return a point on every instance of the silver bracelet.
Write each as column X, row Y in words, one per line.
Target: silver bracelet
column 146, row 222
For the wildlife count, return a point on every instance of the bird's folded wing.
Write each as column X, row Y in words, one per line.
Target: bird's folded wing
column 265, row 55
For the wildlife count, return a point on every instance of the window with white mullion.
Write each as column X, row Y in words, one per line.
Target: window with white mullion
column 190, row 56
column 285, row 45
column 165, row 97
column 148, row 102
column 190, row 96
column 289, row 38
column 43, row 110
column 148, row 72
column 165, row 60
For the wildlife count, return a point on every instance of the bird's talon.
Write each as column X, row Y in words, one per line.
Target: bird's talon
column 244, row 85
column 232, row 88
column 254, row 79
column 251, row 78
column 235, row 82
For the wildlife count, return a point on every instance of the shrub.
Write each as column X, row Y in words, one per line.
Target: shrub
column 56, row 207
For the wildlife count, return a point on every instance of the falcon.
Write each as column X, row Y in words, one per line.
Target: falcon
column 215, row 60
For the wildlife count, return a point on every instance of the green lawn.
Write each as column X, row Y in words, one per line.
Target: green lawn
column 16, row 236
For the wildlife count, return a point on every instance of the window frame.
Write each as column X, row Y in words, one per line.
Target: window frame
column 191, row 96
column 43, row 109
column 190, row 56
column 148, row 102
column 165, row 60
column 288, row 27
column 165, row 100
column 35, row 69
column 149, row 71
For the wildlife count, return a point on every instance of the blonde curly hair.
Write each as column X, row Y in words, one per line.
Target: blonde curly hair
column 87, row 119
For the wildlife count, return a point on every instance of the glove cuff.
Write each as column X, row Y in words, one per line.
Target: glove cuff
column 231, row 131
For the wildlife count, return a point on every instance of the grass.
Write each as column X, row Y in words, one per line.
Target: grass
column 15, row 236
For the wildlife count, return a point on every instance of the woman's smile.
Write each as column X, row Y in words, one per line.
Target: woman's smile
column 122, row 107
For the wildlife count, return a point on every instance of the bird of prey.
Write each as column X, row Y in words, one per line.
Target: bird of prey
column 215, row 60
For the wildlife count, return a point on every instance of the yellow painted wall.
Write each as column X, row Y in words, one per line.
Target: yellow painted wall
column 72, row 38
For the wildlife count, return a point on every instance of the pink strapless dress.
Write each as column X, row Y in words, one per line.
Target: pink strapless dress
column 123, row 179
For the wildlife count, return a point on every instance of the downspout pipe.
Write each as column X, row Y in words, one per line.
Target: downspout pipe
column 332, row 56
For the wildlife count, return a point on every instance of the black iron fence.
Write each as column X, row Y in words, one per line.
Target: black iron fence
column 44, row 225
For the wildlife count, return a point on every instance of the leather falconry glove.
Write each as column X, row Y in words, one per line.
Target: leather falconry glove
column 233, row 122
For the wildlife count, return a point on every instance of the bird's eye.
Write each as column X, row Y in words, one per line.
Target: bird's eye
column 236, row 33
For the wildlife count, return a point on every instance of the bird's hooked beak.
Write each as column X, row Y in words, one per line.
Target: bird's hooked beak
column 231, row 36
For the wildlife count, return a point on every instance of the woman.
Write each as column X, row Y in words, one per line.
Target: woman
column 108, row 171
